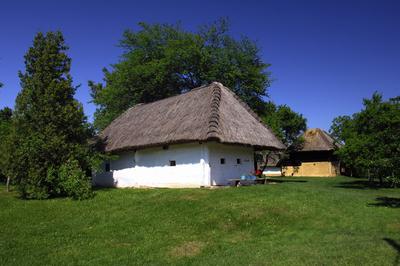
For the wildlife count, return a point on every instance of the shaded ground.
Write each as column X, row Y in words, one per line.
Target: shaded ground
column 296, row 221
column 357, row 183
column 387, row 202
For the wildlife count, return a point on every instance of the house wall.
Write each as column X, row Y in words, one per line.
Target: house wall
column 151, row 168
column 221, row 173
column 196, row 165
column 272, row 171
column 312, row 169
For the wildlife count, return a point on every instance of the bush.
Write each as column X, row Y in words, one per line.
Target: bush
column 74, row 182
column 394, row 181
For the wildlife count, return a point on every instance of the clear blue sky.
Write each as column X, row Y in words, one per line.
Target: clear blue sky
column 325, row 55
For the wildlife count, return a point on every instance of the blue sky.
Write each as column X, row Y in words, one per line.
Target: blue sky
column 326, row 55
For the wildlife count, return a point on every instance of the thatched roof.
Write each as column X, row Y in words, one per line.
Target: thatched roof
column 316, row 139
column 211, row 112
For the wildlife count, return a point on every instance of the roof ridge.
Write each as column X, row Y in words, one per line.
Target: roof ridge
column 213, row 131
column 328, row 138
column 248, row 109
column 318, row 135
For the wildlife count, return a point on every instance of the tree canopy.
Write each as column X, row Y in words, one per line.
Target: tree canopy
column 5, row 132
column 372, row 138
column 5, row 147
column 286, row 123
column 50, row 127
column 161, row 60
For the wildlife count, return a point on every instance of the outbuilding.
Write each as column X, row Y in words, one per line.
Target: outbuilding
column 201, row 138
column 315, row 158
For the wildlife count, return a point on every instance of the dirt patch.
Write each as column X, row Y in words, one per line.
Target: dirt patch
column 394, row 226
column 187, row 249
column 191, row 197
column 239, row 237
column 119, row 245
column 253, row 214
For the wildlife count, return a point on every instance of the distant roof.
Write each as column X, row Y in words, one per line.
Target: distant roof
column 316, row 139
column 211, row 112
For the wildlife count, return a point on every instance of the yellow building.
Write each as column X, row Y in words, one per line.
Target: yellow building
column 315, row 158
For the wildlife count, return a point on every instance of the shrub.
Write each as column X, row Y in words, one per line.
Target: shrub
column 394, row 181
column 74, row 182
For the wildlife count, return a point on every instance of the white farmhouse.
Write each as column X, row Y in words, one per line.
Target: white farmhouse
column 200, row 138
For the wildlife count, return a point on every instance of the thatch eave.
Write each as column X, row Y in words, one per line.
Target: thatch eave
column 210, row 140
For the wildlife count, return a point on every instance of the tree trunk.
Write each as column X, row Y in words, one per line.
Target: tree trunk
column 266, row 161
column 8, row 184
column 381, row 180
column 369, row 177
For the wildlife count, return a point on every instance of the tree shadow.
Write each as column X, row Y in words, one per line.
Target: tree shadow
column 362, row 184
column 386, row 202
column 100, row 188
column 396, row 246
column 286, row 180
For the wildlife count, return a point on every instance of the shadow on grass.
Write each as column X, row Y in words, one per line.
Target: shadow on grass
column 286, row 180
column 386, row 202
column 395, row 246
column 97, row 188
column 362, row 184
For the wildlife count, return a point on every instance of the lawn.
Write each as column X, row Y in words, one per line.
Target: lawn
column 298, row 221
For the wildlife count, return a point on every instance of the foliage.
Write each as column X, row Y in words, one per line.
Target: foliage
column 339, row 128
column 74, row 182
column 394, row 181
column 5, row 145
column 50, row 126
column 372, row 138
column 286, row 123
column 306, row 221
column 162, row 60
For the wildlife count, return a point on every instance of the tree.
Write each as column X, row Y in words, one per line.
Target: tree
column 163, row 60
column 50, row 126
column 286, row 123
column 5, row 145
column 372, row 138
column 339, row 128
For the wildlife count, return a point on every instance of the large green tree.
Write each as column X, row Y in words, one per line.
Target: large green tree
column 161, row 60
column 5, row 132
column 5, row 145
column 372, row 138
column 287, row 124
column 51, row 131
column 340, row 128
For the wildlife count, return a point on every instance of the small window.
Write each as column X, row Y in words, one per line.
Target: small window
column 172, row 163
column 222, row 160
column 107, row 166
column 238, row 161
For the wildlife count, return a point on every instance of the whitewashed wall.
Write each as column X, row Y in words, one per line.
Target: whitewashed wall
column 221, row 173
column 272, row 171
column 151, row 168
column 196, row 165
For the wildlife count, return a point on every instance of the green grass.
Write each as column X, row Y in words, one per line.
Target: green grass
column 317, row 222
